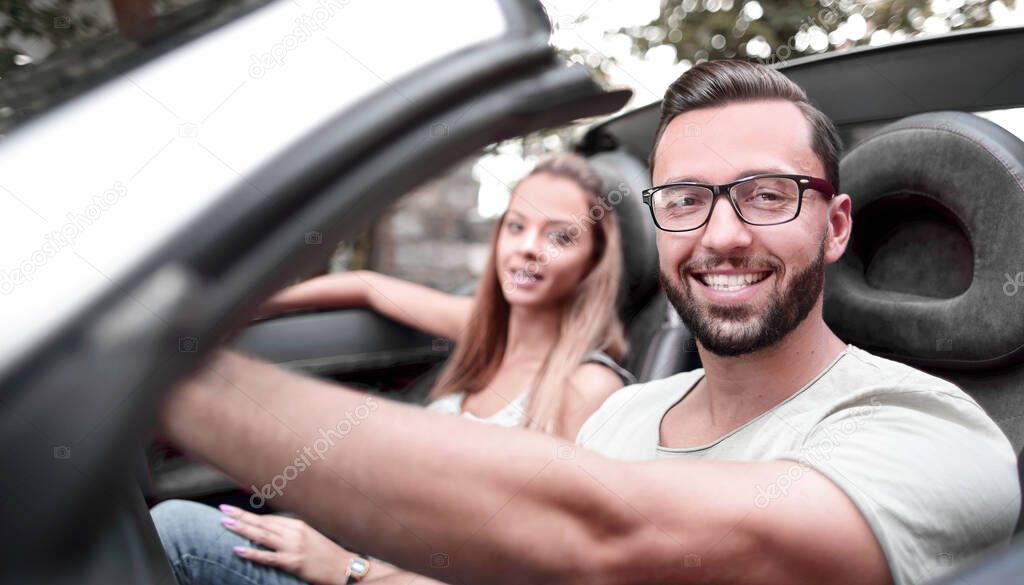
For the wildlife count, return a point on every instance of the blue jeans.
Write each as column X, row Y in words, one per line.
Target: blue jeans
column 201, row 551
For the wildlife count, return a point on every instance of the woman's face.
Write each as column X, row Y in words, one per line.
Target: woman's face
column 546, row 242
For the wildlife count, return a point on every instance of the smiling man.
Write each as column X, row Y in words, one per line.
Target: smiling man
column 791, row 457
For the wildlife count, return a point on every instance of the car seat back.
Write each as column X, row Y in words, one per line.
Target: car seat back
column 641, row 304
column 934, row 272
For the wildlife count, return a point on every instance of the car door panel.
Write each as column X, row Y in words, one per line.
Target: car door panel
column 160, row 318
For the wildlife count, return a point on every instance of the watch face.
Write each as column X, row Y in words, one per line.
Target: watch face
column 359, row 566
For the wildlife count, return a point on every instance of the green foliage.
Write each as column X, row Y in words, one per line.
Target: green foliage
column 772, row 31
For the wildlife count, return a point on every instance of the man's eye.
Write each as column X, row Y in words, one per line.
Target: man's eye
column 515, row 227
column 681, row 202
column 767, row 196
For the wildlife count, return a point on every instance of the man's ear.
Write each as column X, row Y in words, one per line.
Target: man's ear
column 840, row 226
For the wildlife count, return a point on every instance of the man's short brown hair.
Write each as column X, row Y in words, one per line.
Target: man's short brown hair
column 717, row 83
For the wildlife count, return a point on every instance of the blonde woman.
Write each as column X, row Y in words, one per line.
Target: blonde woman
column 537, row 346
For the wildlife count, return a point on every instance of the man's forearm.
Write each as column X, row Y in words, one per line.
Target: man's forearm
column 419, row 489
column 463, row 502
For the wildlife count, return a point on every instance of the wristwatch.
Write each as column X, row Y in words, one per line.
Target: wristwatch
column 358, row 567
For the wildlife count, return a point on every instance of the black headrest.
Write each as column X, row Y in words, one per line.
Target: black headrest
column 934, row 273
column 625, row 177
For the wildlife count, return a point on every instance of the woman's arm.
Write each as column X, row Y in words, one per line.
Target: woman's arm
column 295, row 547
column 402, row 578
column 437, row 313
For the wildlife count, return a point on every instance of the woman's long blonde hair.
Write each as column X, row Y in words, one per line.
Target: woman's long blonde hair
column 589, row 321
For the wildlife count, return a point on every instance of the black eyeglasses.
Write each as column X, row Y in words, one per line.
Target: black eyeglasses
column 757, row 200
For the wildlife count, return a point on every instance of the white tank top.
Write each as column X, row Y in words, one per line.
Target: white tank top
column 510, row 416
column 514, row 412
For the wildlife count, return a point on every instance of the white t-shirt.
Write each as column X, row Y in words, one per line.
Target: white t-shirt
column 932, row 474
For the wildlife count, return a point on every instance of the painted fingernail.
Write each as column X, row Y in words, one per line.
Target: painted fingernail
column 228, row 521
column 229, row 510
column 240, row 550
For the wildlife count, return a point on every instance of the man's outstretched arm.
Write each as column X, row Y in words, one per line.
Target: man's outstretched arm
column 464, row 502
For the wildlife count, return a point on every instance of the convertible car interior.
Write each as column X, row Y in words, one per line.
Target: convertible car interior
column 951, row 179
column 930, row 278
column 401, row 363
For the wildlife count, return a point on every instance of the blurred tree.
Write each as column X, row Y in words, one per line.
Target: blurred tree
column 49, row 46
column 30, row 30
column 775, row 31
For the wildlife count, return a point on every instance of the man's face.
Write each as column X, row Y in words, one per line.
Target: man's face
column 738, row 287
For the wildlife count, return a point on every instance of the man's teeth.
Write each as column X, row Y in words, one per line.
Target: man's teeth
column 732, row 281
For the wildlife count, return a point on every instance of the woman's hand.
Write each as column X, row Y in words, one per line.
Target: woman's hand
column 295, row 546
column 294, row 297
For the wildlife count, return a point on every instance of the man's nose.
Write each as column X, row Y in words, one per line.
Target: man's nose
column 725, row 231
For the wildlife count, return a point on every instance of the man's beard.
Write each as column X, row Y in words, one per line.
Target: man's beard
column 784, row 312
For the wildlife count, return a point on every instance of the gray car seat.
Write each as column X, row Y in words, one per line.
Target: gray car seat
column 641, row 303
column 660, row 345
column 934, row 275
